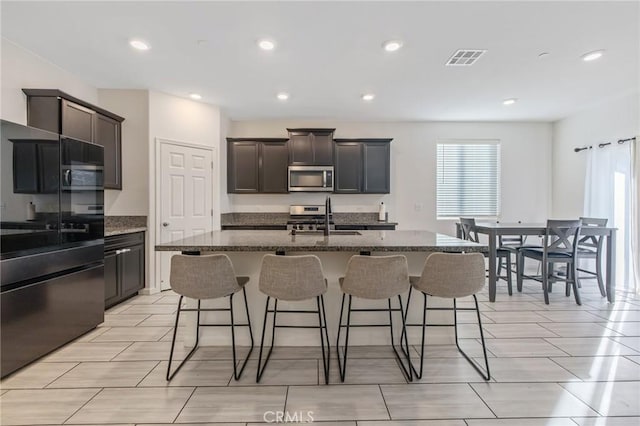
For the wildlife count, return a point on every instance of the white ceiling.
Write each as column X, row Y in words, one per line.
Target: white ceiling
column 329, row 53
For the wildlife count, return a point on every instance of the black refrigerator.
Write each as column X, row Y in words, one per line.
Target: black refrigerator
column 51, row 242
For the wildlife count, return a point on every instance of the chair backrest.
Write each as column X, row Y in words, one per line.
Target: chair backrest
column 592, row 242
column 203, row 277
column 468, row 225
column 292, row 277
column 562, row 236
column 452, row 275
column 376, row 277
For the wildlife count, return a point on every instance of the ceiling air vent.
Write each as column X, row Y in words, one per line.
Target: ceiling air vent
column 465, row 57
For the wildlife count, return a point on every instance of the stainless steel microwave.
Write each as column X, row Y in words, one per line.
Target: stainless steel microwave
column 310, row 178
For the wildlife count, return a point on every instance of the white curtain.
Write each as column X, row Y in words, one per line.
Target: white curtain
column 611, row 192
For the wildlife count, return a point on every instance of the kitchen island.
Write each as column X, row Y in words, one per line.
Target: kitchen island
column 246, row 249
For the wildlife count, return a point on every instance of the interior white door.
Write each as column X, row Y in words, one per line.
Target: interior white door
column 185, row 197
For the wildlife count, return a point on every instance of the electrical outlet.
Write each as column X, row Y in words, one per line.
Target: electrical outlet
column 418, row 207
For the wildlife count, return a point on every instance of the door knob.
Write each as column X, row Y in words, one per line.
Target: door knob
column 165, row 224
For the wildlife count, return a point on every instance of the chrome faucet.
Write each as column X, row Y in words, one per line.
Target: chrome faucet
column 327, row 215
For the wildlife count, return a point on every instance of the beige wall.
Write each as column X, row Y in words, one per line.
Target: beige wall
column 525, row 183
column 617, row 119
column 133, row 199
column 24, row 69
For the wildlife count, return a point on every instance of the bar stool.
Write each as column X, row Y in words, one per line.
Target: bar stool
column 450, row 276
column 293, row 278
column 469, row 233
column 374, row 278
column 202, row 278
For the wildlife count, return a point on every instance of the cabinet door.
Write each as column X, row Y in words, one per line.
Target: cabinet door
column 273, row 167
column 376, row 178
column 108, row 135
column 322, row 149
column 49, row 167
column 25, row 168
column 242, row 167
column 111, row 279
column 77, row 121
column 301, row 148
column 348, row 167
column 131, row 265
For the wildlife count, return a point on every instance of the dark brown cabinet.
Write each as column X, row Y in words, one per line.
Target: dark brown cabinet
column 362, row 166
column 36, row 167
column 123, row 267
column 311, row 147
column 257, row 165
column 58, row 112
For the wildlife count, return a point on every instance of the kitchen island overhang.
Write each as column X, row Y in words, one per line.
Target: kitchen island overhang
column 246, row 249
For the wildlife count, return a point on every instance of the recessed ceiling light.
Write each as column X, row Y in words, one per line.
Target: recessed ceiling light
column 195, row 96
column 139, row 44
column 368, row 97
column 510, row 101
column 266, row 44
column 392, row 45
column 283, row 96
column 592, row 56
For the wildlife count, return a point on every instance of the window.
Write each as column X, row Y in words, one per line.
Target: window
column 468, row 178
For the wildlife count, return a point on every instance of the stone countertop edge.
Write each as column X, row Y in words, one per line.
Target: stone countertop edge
column 373, row 241
column 111, row 231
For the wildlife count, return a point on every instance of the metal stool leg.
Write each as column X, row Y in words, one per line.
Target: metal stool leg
column 322, row 321
column 273, row 336
column 237, row 374
column 485, row 374
column 343, row 366
column 173, row 341
column 407, row 371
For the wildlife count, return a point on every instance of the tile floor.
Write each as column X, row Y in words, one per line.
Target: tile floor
column 555, row 365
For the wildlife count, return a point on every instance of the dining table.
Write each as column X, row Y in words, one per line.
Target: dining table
column 494, row 230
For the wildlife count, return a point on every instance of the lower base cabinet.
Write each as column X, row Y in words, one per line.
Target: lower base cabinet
column 123, row 267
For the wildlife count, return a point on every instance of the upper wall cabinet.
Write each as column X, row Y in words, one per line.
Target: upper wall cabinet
column 58, row 112
column 362, row 166
column 311, row 147
column 257, row 165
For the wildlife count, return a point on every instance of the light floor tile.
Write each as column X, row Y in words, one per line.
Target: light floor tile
column 149, row 351
column 522, row 348
column 505, row 370
column 280, row 372
column 609, row 399
column 43, row 406
column 510, row 305
column 159, row 320
column 522, row 422
column 233, row 404
column 123, row 320
column 37, row 375
column 133, row 405
column 411, row 423
column 579, row 329
column 150, row 309
column 132, row 334
column 514, row 317
column 218, row 353
column 625, row 328
column 365, row 371
column 434, row 401
column 618, row 315
column 105, row 374
column 192, row 373
column 518, row 330
column 300, row 416
column 590, row 346
column 336, row 402
column 631, row 342
column 531, row 400
column 168, row 300
column 447, row 370
column 569, row 316
column 146, row 299
column 605, row 368
column 634, row 358
column 88, row 337
column 80, row 352
column 472, row 347
column 607, row 421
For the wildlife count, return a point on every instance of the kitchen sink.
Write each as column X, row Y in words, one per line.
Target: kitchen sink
column 340, row 232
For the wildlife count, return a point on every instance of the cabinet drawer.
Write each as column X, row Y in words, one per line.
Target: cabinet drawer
column 116, row 242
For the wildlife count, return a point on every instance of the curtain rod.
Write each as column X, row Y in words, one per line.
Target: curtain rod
column 602, row 145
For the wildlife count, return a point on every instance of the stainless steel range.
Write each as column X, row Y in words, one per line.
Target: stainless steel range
column 307, row 218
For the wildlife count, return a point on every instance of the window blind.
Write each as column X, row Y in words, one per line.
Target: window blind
column 468, row 182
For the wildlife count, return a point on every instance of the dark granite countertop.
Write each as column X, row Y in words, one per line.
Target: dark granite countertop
column 271, row 241
column 119, row 225
column 230, row 220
